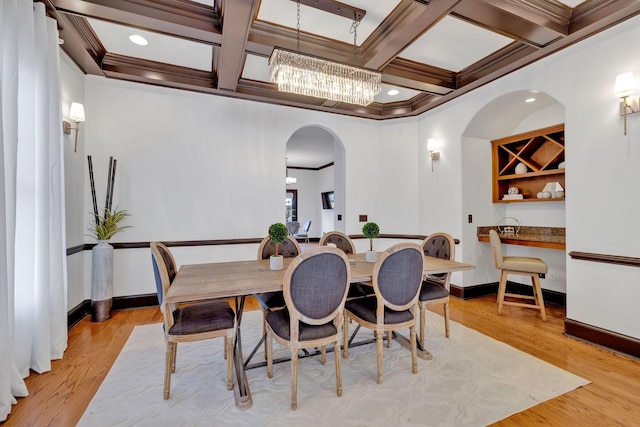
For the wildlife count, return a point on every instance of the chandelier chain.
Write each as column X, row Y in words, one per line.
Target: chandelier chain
column 298, row 27
column 354, row 30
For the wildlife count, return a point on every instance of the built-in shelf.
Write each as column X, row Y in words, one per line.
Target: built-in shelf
column 541, row 151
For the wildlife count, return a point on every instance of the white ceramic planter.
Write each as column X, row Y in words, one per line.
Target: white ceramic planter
column 101, row 281
column 371, row 256
column 276, row 262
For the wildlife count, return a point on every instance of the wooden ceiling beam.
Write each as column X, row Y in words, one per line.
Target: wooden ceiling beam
column 552, row 16
column 520, row 28
column 406, row 23
column 187, row 20
column 237, row 17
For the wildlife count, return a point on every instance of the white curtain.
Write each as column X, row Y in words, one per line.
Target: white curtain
column 33, row 282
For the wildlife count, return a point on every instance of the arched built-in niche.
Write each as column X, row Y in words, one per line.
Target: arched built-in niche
column 315, row 157
column 503, row 116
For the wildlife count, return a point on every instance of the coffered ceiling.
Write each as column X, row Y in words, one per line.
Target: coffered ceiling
column 430, row 51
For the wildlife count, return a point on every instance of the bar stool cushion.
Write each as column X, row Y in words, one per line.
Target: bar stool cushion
column 525, row 264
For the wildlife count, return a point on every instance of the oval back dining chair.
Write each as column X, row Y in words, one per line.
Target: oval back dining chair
column 341, row 240
column 315, row 289
column 270, row 301
column 435, row 287
column 397, row 277
column 344, row 242
column 191, row 322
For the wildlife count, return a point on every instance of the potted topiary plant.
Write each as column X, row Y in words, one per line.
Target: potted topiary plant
column 371, row 231
column 278, row 233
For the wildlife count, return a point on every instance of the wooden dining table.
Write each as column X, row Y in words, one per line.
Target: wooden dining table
column 239, row 279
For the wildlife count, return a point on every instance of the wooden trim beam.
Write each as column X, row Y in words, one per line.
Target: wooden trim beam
column 237, row 16
column 607, row 259
column 602, row 337
column 188, row 20
column 402, row 27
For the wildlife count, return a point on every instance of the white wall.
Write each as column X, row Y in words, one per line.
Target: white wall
column 600, row 176
column 72, row 82
column 194, row 166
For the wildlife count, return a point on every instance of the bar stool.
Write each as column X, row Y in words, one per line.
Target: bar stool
column 523, row 266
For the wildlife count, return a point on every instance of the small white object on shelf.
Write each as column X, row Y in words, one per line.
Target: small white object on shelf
column 552, row 187
column 512, row 197
column 521, row 168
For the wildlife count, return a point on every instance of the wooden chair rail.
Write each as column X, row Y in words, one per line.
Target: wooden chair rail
column 214, row 242
column 607, row 259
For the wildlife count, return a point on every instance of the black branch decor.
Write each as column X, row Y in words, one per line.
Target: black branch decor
column 108, row 223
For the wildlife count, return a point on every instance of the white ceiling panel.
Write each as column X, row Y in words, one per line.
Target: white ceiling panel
column 161, row 48
column 404, row 94
column 256, row 68
column 453, row 44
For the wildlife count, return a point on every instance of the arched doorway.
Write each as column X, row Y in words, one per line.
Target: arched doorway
column 315, row 158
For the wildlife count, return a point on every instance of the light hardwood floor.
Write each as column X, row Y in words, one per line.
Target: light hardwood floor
column 59, row 397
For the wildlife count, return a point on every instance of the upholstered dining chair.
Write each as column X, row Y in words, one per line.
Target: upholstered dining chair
column 344, row 243
column 304, row 233
column 293, row 227
column 522, row 266
column 315, row 288
column 191, row 322
column 397, row 277
column 340, row 240
column 435, row 287
column 270, row 301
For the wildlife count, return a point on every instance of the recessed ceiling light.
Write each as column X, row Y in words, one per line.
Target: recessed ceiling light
column 138, row 39
column 393, row 92
column 529, row 100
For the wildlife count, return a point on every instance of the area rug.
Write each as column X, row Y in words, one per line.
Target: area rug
column 472, row 380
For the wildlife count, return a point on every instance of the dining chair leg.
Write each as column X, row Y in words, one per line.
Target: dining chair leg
column 388, row 339
column 502, row 288
column 174, row 356
column 345, row 334
column 167, row 370
column 446, row 323
column 414, row 350
column 269, row 346
column 423, row 322
column 379, row 346
column 323, row 354
column 336, row 351
column 294, row 379
column 225, row 348
column 229, row 356
column 264, row 331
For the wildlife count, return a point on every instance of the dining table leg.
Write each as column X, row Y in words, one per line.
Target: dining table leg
column 241, row 390
column 423, row 353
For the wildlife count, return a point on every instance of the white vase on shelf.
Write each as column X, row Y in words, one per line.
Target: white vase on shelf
column 521, row 168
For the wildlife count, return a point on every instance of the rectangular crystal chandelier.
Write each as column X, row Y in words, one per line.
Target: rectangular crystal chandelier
column 312, row 76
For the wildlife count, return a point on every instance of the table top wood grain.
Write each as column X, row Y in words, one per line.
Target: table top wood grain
column 196, row 282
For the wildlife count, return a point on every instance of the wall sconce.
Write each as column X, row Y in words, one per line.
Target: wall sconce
column 625, row 86
column 435, row 155
column 76, row 113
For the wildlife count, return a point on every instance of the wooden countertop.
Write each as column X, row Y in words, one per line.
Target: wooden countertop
column 541, row 237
